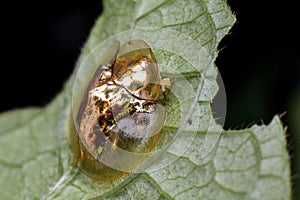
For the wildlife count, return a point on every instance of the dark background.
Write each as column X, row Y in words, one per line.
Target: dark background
column 259, row 60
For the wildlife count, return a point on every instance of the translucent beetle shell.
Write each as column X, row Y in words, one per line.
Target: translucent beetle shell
column 119, row 119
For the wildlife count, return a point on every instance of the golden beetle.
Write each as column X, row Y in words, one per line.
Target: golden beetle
column 119, row 119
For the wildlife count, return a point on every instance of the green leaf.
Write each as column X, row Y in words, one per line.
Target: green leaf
column 247, row 164
column 35, row 160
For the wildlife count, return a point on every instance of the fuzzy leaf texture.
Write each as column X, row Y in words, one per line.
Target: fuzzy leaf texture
column 244, row 164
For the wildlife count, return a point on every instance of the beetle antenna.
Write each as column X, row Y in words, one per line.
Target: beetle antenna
column 165, row 96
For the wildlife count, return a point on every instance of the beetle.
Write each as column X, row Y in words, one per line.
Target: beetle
column 119, row 119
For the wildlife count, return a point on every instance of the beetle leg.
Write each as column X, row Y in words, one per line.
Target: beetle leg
column 165, row 82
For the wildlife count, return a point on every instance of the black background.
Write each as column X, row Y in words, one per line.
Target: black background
column 259, row 60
